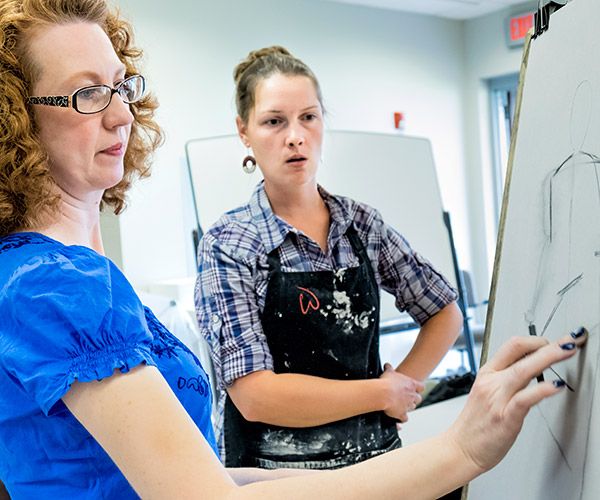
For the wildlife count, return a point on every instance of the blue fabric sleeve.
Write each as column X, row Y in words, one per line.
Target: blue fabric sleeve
column 71, row 315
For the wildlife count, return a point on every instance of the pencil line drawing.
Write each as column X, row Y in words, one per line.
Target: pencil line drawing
column 561, row 295
column 563, row 211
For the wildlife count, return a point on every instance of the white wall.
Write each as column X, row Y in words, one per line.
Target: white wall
column 486, row 56
column 370, row 63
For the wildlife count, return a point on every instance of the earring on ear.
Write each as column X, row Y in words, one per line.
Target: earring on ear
column 249, row 163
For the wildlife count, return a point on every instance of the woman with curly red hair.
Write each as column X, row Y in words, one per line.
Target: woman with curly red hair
column 97, row 398
column 25, row 181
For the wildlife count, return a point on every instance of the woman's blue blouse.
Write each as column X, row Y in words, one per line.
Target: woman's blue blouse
column 67, row 314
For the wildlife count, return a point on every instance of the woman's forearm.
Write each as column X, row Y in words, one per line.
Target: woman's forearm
column 294, row 400
column 437, row 466
column 436, row 337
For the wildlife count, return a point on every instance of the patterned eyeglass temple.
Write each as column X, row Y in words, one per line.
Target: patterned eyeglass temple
column 71, row 101
column 61, row 101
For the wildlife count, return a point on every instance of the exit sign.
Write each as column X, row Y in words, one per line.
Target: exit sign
column 518, row 26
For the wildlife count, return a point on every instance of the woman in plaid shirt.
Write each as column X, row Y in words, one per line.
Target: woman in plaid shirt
column 288, row 295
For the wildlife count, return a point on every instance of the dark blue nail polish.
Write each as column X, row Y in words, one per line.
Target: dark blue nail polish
column 558, row 383
column 580, row 332
column 569, row 346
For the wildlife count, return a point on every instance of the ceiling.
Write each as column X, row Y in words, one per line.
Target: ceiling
column 453, row 9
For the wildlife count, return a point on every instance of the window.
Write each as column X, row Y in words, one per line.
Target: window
column 503, row 93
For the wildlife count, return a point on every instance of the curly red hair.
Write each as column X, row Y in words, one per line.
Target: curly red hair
column 26, row 186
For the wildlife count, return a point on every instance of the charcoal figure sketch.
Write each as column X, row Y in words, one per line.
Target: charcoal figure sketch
column 568, row 265
column 547, row 270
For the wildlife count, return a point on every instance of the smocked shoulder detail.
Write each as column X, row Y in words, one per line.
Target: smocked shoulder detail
column 18, row 240
column 165, row 344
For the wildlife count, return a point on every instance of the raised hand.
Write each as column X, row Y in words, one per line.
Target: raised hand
column 504, row 391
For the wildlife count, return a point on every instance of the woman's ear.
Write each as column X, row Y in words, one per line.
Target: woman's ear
column 242, row 129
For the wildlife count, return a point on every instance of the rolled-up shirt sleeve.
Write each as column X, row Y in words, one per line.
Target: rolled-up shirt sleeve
column 228, row 313
column 418, row 287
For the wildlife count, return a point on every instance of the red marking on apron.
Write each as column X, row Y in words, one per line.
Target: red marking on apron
column 313, row 303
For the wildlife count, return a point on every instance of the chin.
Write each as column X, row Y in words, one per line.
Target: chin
column 111, row 180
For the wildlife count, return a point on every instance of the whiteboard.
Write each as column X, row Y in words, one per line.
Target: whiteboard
column 393, row 173
column 547, row 270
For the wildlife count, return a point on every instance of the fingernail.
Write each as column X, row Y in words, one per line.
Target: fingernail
column 569, row 346
column 558, row 383
column 580, row 332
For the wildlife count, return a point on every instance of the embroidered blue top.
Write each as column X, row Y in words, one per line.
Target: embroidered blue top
column 233, row 276
column 69, row 314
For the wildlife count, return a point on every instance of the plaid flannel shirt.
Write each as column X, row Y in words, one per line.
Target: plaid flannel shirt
column 233, row 272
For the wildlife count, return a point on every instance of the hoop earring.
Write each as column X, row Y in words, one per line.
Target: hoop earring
column 249, row 164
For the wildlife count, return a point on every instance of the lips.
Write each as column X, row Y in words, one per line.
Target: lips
column 115, row 150
column 296, row 159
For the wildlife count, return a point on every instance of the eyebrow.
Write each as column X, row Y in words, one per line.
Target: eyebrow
column 92, row 75
column 316, row 106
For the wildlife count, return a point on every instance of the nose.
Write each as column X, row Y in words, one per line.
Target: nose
column 118, row 113
column 295, row 137
column 295, row 142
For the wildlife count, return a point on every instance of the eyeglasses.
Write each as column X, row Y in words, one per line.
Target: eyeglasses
column 96, row 98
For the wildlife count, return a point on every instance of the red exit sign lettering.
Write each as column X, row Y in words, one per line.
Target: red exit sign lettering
column 518, row 26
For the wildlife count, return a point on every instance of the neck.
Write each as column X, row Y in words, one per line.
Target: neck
column 290, row 202
column 303, row 208
column 75, row 222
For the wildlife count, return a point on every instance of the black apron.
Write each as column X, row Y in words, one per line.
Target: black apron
column 326, row 324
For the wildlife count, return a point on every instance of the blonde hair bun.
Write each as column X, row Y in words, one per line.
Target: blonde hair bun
column 255, row 55
column 261, row 64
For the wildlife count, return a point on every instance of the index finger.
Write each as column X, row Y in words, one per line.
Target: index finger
column 534, row 364
column 513, row 350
